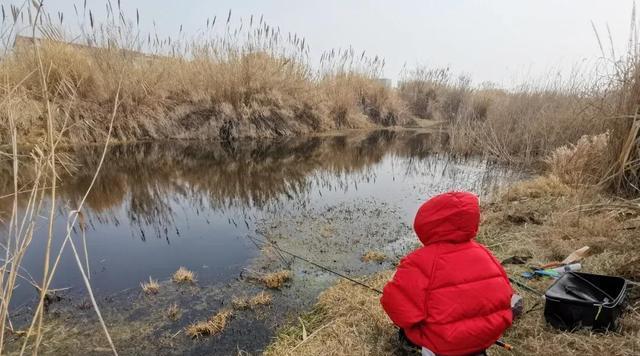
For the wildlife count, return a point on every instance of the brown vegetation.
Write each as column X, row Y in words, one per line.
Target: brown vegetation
column 586, row 128
column 183, row 275
column 347, row 320
column 374, row 256
column 212, row 326
column 276, row 280
column 260, row 299
column 151, row 287
column 246, row 81
column 173, row 312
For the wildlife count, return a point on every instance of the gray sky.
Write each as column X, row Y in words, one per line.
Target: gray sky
column 501, row 40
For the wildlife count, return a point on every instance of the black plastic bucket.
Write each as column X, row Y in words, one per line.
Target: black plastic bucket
column 583, row 300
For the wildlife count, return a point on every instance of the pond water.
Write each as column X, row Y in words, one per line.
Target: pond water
column 158, row 206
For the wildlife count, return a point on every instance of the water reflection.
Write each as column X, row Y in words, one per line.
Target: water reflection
column 148, row 177
column 156, row 206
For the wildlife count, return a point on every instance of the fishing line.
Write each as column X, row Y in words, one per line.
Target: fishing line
column 316, row 264
column 257, row 241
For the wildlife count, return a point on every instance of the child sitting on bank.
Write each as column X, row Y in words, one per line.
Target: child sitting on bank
column 451, row 296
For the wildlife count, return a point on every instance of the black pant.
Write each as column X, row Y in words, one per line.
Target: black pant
column 407, row 345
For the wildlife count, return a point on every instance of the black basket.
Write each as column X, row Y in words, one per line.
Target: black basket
column 583, row 300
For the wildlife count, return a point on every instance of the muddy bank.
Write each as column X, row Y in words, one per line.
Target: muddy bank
column 206, row 119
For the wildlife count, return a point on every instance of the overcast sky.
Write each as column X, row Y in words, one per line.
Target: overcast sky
column 500, row 41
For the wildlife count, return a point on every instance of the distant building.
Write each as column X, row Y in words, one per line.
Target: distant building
column 385, row 81
column 26, row 42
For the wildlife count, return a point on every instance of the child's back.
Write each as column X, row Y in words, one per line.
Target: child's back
column 450, row 296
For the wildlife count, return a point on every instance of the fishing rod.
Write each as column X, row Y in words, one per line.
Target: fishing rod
column 499, row 343
column 526, row 287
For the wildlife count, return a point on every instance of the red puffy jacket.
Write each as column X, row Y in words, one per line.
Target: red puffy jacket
column 451, row 295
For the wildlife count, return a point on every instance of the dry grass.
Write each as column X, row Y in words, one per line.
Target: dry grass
column 275, row 280
column 240, row 303
column 244, row 80
column 374, row 256
column 243, row 303
column 348, row 319
column 213, row 326
column 580, row 163
column 183, row 275
column 547, row 186
column 151, row 287
column 587, row 129
column 523, row 124
column 173, row 312
column 260, row 299
column 567, row 219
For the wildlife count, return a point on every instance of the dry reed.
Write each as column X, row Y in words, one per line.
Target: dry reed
column 46, row 160
column 581, row 163
column 246, row 81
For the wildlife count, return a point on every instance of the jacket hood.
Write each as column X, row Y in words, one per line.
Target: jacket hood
column 450, row 217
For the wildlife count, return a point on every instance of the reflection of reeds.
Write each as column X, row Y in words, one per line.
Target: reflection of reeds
column 148, row 176
column 151, row 180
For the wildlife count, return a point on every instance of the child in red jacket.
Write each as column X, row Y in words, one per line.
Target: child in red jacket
column 450, row 296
